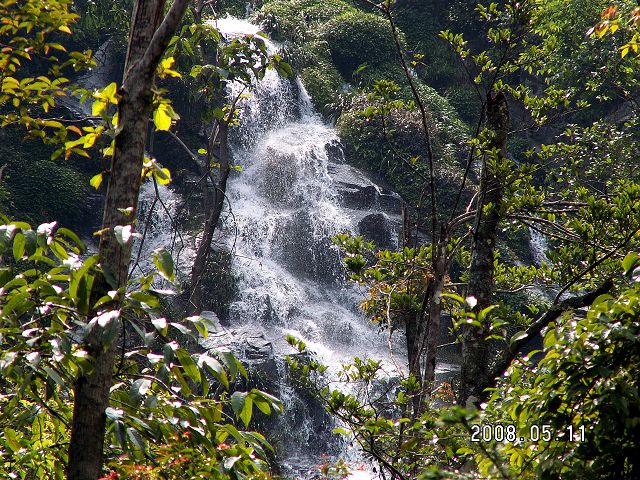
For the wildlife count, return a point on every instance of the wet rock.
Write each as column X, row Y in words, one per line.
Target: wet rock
column 304, row 247
column 335, row 152
column 359, row 192
column 376, row 227
column 278, row 176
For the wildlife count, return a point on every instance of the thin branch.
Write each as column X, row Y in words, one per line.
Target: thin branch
column 536, row 327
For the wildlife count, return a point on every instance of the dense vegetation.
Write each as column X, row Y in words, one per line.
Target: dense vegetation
column 492, row 123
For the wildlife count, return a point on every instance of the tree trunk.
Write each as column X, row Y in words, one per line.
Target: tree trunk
column 147, row 41
column 432, row 330
column 475, row 350
column 214, row 204
column 423, row 334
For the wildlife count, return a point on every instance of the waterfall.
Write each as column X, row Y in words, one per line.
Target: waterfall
column 290, row 198
column 538, row 245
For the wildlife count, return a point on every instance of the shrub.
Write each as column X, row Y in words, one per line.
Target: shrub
column 356, row 38
column 290, row 20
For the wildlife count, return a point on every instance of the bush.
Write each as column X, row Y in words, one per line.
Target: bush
column 291, row 20
column 368, row 147
column 587, row 381
column 356, row 38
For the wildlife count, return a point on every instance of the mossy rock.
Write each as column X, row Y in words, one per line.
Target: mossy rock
column 466, row 102
column 421, row 23
column 356, row 38
column 291, row 20
column 37, row 189
column 368, row 147
column 237, row 8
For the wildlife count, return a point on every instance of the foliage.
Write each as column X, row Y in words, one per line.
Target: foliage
column 100, row 20
column 421, row 22
column 33, row 46
column 395, row 282
column 356, row 38
column 569, row 190
column 586, row 381
column 322, row 82
column 163, row 396
column 383, row 133
column 373, row 407
column 296, row 20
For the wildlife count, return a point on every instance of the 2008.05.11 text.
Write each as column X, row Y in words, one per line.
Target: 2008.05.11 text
column 500, row 432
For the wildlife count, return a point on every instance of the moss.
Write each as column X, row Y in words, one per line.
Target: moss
column 356, row 38
column 466, row 102
column 367, row 147
column 37, row 189
column 383, row 71
column 238, row 8
column 292, row 20
column 421, row 23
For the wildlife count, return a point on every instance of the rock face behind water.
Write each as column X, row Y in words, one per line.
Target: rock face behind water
column 374, row 208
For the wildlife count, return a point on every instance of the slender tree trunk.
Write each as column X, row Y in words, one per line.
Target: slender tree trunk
column 475, row 349
column 148, row 40
column 214, row 204
column 435, row 312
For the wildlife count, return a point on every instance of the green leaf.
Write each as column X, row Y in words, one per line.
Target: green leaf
column 518, row 336
column 136, row 439
column 53, row 375
column 72, row 236
column 229, row 462
column 630, row 262
column 242, row 406
column 215, row 367
column 189, row 366
column 164, row 263
column 18, row 246
column 262, row 404
column 11, row 437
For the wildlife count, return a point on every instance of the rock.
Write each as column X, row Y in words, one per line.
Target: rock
column 303, row 246
column 279, row 176
column 335, row 152
column 359, row 192
column 377, row 227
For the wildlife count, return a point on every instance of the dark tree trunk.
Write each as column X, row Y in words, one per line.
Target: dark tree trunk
column 424, row 332
column 214, row 204
column 147, row 42
column 475, row 349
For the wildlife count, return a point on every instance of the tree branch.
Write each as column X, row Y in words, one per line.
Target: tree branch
column 162, row 36
column 536, row 327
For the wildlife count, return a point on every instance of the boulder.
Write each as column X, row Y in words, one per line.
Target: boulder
column 377, row 227
column 359, row 192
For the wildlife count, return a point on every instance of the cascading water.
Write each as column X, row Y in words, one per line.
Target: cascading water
column 538, row 244
column 286, row 205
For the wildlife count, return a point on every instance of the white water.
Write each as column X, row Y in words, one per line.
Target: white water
column 285, row 209
column 539, row 245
